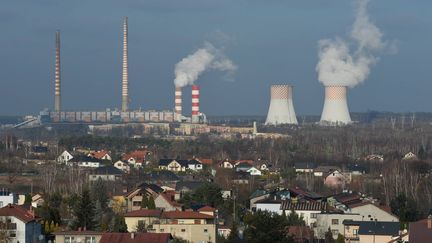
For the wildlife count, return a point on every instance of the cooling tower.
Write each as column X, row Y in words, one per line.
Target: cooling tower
column 125, row 75
column 281, row 110
column 178, row 103
column 335, row 111
column 57, row 91
column 195, row 103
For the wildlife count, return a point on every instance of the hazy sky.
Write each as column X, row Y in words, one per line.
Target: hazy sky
column 271, row 41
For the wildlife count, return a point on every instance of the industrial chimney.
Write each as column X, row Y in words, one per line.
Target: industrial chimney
column 57, row 92
column 281, row 110
column 195, row 104
column 125, row 81
column 335, row 111
column 178, row 103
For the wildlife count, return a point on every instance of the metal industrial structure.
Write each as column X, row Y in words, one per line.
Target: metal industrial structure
column 335, row 111
column 281, row 109
column 57, row 81
column 124, row 115
column 125, row 74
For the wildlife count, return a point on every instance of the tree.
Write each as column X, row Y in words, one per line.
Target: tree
column 151, row 203
column 264, row 226
column 329, row 236
column 118, row 224
column 405, row 208
column 99, row 192
column 295, row 219
column 233, row 236
column 84, row 212
column 141, row 227
column 340, row 239
column 144, row 201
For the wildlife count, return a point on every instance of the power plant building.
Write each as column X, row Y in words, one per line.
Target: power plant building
column 335, row 110
column 281, row 109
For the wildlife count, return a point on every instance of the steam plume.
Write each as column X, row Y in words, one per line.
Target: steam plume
column 338, row 64
column 206, row 58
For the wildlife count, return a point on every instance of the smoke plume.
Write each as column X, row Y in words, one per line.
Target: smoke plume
column 206, row 58
column 338, row 64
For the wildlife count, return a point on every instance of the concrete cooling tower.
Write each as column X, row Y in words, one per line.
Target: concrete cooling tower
column 281, row 110
column 335, row 111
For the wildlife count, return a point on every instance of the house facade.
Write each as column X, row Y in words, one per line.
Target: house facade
column 20, row 223
column 64, row 157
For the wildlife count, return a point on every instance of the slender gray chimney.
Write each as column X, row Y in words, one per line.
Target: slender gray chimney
column 125, row 76
column 57, row 93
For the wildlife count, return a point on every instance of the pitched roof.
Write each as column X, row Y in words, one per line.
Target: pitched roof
column 379, row 228
column 85, row 158
column 138, row 155
column 303, row 206
column 206, row 161
column 419, row 231
column 304, row 165
column 207, row 209
column 144, row 213
column 135, row 237
column 99, row 154
column 107, row 170
column 21, row 213
column 326, row 168
column 185, row 215
column 297, row 191
column 169, row 198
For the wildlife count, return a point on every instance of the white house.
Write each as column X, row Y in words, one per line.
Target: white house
column 7, row 197
column 370, row 212
column 254, row 171
column 102, row 154
column 308, row 210
column 122, row 165
column 64, row 157
column 226, row 164
column 410, row 156
column 180, row 165
column 194, row 165
column 85, row 161
column 334, row 221
column 106, row 173
column 21, row 224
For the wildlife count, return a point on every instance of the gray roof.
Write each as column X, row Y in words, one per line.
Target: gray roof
column 379, row 228
column 303, row 206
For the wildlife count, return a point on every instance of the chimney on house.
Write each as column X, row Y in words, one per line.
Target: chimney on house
column 429, row 222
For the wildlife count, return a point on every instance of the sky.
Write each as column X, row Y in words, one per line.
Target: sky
column 270, row 41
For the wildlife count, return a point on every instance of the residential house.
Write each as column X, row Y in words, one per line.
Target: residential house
column 101, row 154
column 64, row 157
column 207, row 210
column 333, row 221
column 134, row 197
column 39, row 150
column 137, row 158
column 7, row 197
column 163, row 177
column 78, row 236
column 410, row 156
column 106, row 173
column 177, row 165
column 135, row 238
column 37, row 200
column 226, row 164
column 325, row 170
column 351, row 230
column 166, row 201
column 302, row 194
column 306, row 209
column 257, row 195
column 371, row 212
column 183, row 187
column 85, row 161
column 241, row 178
column 374, row 158
column 243, row 167
column 356, row 169
column 122, row 165
column 304, row 167
column 19, row 224
column 224, row 231
column 191, row 226
column 421, row 231
column 144, row 216
column 336, row 179
column 262, row 165
column 254, row 171
column 378, row 231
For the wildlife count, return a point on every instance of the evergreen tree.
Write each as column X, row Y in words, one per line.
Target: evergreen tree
column 329, row 236
column 99, row 192
column 405, row 208
column 151, row 203
column 144, row 201
column 84, row 212
column 141, row 227
column 118, row 224
column 98, row 219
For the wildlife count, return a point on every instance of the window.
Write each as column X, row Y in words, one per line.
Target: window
column 355, row 232
column 136, row 203
column 335, row 221
column 90, row 239
column 183, row 230
column 69, row 239
column 205, row 230
column 12, row 234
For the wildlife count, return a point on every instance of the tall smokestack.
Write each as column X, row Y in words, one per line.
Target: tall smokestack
column 335, row 111
column 281, row 110
column 195, row 103
column 125, row 76
column 178, row 103
column 57, row 92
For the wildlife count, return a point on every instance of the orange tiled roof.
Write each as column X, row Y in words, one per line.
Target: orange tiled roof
column 99, row 154
column 17, row 211
column 207, row 209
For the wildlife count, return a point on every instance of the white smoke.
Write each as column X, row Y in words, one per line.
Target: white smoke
column 338, row 64
column 206, row 58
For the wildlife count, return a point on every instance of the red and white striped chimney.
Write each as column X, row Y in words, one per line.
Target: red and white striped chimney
column 195, row 103
column 178, row 102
